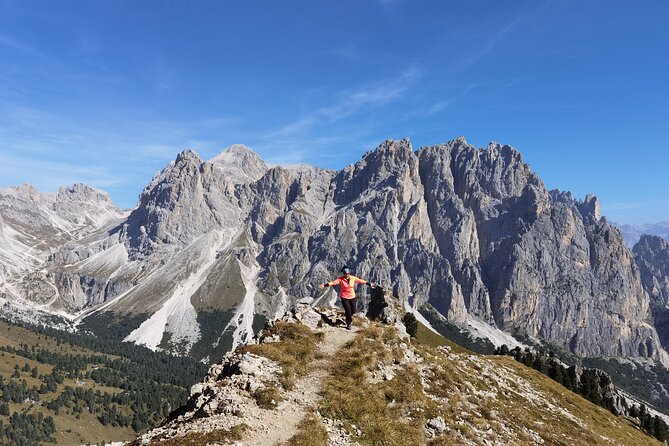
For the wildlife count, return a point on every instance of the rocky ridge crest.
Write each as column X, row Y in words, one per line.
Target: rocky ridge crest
column 227, row 400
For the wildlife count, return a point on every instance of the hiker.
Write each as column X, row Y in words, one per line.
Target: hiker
column 347, row 292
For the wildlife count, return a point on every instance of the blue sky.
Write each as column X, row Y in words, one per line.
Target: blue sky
column 108, row 92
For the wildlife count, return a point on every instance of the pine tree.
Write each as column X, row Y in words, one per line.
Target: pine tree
column 660, row 429
column 556, row 372
column 539, row 363
column 411, row 324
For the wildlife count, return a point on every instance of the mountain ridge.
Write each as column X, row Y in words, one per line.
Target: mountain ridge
column 633, row 233
column 472, row 231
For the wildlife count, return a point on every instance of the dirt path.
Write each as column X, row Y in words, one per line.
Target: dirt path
column 274, row 427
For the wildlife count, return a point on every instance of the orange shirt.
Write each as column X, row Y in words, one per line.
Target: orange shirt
column 346, row 287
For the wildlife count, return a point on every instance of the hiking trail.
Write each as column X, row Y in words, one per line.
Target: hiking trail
column 275, row 427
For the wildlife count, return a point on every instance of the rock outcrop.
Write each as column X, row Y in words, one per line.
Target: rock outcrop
column 384, row 308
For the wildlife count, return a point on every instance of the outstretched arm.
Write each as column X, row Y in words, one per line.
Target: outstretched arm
column 326, row 284
column 364, row 282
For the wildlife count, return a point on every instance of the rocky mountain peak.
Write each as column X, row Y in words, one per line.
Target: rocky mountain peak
column 184, row 201
column 507, row 153
column 240, row 164
column 81, row 192
column 23, row 192
column 188, row 156
column 83, row 205
column 460, row 140
column 241, row 150
column 591, row 208
column 396, row 145
column 391, row 165
column 650, row 243
column 652, row 256
column 389, row 158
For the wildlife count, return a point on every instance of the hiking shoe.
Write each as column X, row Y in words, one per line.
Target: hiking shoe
column 348, row 327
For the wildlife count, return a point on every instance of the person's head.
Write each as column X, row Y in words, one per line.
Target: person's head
column 346, row 271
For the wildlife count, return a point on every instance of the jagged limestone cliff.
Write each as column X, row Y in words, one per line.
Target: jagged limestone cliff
column 652, row 256
column 472, row 231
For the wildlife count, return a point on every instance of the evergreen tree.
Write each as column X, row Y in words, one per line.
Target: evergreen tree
column 556, row 372
column 647, row 423
column 660, row 429
column 540, row 363
column 589, row 388
column 411, row 324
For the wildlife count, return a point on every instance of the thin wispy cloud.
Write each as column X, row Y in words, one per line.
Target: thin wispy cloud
column 56, row 74
column 53, row 174
column 445, row 103
column 351, row 102
column 50, row 151
column 633, row 205
column 319, row 130
column 489, row 45
column 621, row 206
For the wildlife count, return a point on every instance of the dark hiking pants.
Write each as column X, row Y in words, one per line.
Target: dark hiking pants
column 349, row 309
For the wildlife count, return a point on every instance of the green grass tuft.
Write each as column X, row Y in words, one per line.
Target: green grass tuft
column 268, row 397
column 311, row 432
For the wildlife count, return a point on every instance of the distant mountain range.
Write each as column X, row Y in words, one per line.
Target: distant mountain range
column 216, row 247
column 633, row 233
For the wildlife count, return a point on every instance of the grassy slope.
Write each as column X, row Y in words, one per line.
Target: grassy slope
column 70, row 430
column 480, row 397
column 428, row 338
column 591, row 425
